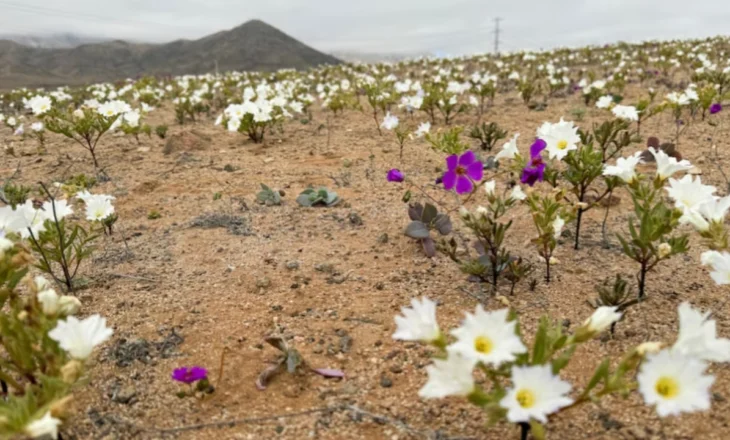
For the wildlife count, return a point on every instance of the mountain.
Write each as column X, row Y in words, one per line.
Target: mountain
column 254, row 45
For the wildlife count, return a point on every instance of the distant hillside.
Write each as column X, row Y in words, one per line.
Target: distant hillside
column 254, row 45
column 52, row 41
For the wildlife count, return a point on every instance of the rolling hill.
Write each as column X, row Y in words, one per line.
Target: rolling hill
column 254, row 45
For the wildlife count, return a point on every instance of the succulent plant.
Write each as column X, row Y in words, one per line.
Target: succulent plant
column 322, row 197
column 268, row 196
column 423, row 220
column 487, row 135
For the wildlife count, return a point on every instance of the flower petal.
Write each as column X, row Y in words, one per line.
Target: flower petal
column 537, row 147
column 449, row 179
column 452, row 162
column 463, row 185
column 467, row 158
column 475, row 171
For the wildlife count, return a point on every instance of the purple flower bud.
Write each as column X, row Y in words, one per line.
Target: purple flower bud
column 395, row 175
column 715, row 108
column 189, row 375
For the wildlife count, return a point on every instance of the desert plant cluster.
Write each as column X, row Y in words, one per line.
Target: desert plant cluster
column 504, row 213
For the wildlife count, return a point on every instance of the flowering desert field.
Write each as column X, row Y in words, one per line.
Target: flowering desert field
column 531, row 245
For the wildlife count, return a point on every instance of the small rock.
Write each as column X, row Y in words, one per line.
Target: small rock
column 263, row 283
column 385, row 382
column 355, row 219
column 125, row 396
column 324, row 267
column 397, row 369
column 186, row 141
column 292, row 265
column 637, row 432
column 383, row 238
column 345, row 344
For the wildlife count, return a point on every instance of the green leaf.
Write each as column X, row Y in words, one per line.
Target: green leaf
column 537, row 430
column 562, row 360
column 600, row 374
column 540, row 346
column 429, row 213
column 417, row 229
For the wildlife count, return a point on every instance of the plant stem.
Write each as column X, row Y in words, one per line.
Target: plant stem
column 642, row 280
column 577, row 228
column 524, row 430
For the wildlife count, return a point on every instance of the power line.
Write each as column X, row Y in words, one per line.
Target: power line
column 496, row 35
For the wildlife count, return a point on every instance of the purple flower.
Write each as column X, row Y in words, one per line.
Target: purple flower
column 715, row 108
column 463, row 170
column 535, row 169
column 189, row 375
column 395, row 175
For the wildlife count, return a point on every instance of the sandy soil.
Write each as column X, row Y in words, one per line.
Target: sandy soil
column 183, row 295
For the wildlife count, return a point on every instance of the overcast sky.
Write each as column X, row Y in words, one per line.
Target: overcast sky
column 380, row 26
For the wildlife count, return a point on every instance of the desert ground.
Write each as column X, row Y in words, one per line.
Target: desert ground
column 217, row 272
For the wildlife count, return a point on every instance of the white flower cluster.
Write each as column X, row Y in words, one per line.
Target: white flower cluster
column 674, row 380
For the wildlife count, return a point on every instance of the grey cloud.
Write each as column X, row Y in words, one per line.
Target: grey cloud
column 445, row 26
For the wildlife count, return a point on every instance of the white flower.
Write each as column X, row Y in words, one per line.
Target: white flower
column 79, row 338
column 666, row 166
column 626, row 112
column 233, row 124
column 604, row 101
column 509, row 149
column 678, row 98
column 560, row 138
column 482, row 212
column 39, row 104
column 602, row 319
column 558, row 224
column 62, row 209
column 423, row 128
column 698, row 336
column 27, row 219
column 43, row 428
column 487, row 337
column 49, row 301
column 37, row 127
column 418, row 323
column 450, row 377
column 720, row 263
column 648, row 348
column 390, row 122
column 535, row 394
column 98, row 207
column 715, row 209
column 664, row 249
column 675, row 383
column 517, row 193
column 625, row 168
column 5, row 244
column 69, row 305
column 489, row 187
column 689, row 192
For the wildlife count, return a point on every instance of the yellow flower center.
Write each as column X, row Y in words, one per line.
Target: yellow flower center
column 667, row 387
column 525, row 398
column 483, row 344
column 562, row 145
